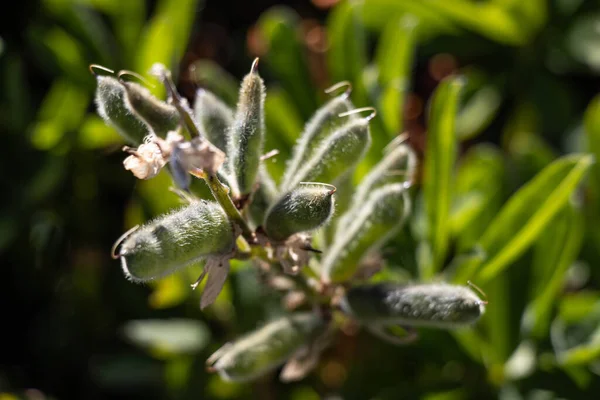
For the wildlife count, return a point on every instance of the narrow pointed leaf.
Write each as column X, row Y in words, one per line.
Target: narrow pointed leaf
column 439, row 165
column 394, row 61
column 529, row 211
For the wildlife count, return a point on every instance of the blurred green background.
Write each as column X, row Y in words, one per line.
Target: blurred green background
column 76, row 329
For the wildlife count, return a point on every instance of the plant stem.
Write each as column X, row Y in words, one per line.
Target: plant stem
column 221, row 194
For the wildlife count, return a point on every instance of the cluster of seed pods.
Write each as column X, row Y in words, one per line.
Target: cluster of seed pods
column 226, row 149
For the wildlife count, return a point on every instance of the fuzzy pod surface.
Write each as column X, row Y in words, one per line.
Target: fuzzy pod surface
column 114, row 108
column 267, row 348
column 321, row 125
column 160, row 116
column 336, row 155
column 437, row 305
column 175, row 240
column 380, row 217
column 214, row 118
column 397, row 166
column 305, row 208
column 247, row 132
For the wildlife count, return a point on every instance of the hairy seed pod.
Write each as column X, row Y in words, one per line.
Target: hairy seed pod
column 305, row 208
column 321, row 125
column 160, row 116
column 266, row 348
column 262, row 198
column 214, row 117
column 397, row 166
column 437, row 305
column 175, row 240
column 113, row 107
column 247, row 132
column 336, row 155
column 380, row 217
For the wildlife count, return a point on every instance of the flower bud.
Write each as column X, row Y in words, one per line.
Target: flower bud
column 322, row 125
column 176, row 240
column 160, row 116
column 305, row 208
column 247, row 132
column 116, row 111
column 266, row 348
column 214, row 117
column 437, row 305
column 380, row 217
column 337, row 154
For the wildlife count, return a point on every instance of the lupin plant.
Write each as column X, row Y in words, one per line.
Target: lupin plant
column 250, row 217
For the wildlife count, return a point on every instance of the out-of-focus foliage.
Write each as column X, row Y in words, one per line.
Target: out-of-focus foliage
column 508, row 207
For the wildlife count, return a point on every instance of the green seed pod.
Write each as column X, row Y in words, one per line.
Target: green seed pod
column 160, row 116
column 214, row 117
column 175, row 240
column 397, row 166
column 266, row 348
column 380, row 217
column 262, row 198
column 321, row 125
column 114, row 108
column 247, row 132
column 437, row 305
column 336, row 155
column 306, row 208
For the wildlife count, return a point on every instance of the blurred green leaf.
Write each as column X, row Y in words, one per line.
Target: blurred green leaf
column 478, row 194
column 439, row 164
column 583, row 40
column 576, row 338
column 522, row 362
column 482, row 100
column 485, row 18
column 394, row 59
column 591, row 121
column 529, row 211
column 284, row 126
column 554, row 252
column 95, row 134
column 347, row 57
column 376, row 14
column 169, row 336
column 279, row 27
column 210, row 75
column 166, row 35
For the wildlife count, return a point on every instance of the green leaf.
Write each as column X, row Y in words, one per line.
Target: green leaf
column 283, row 125
column 583, row 40
column 169, row 336
column 210, row 75
column 487, row 19
column 165, row 37
column 394, row 58
column 478, row 194
column 529, row 211
column 482, row 100
column 376, row 14
column 554, row 252
column 347, row 57
column 591, row 123
column 279, row 28
column 439, row 164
